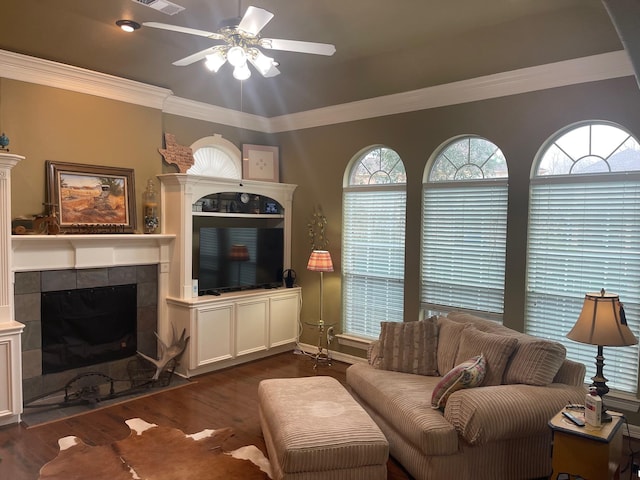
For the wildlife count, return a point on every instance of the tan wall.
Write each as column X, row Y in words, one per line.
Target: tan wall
column 45, row 123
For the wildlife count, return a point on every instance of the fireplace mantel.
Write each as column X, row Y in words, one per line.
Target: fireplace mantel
column 56, row 252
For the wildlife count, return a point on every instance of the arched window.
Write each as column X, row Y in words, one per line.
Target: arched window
column 373, row 231
column 464, row 224
column 584, row 235
column 216, row 157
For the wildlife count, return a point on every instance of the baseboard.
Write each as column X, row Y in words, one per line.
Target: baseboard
column 340, row 357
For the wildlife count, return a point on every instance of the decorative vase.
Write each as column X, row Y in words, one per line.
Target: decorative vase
column 150, row 208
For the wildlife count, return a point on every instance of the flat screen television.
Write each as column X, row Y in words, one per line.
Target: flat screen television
column 239, row 258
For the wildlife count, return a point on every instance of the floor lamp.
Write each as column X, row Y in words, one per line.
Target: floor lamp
column 320, row 261
column 602, row 322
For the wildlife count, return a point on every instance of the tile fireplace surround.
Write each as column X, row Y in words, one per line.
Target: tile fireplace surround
column 28, row 290
column 54, row 262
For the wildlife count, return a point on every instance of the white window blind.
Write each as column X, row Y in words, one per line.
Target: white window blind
column 464, row 227
column 373, row 237
column 584, row 235
column 463, row 246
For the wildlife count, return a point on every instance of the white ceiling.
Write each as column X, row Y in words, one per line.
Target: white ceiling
column 383, row 47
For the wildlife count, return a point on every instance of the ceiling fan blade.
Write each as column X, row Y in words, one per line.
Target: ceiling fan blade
column 190, row 31
column 298, row 46
column 254, row 20
column 183, row 62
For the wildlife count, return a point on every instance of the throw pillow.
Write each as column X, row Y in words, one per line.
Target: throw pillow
column 409, row 347
column 496, row 349
column 465, row 375
column 449, row 333
column 535, row 361
column 373, row 354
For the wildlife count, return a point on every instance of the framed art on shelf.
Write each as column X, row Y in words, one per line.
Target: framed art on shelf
column 260, row 162
column 91, row 198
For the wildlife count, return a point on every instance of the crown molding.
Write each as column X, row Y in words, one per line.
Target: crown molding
column 53, row 74
column 211, row 113
column 569, row 72
column 559, row 74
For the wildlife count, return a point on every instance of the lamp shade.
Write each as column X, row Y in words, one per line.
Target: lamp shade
column 239, row 253
column 602, row 322
column 320, row 261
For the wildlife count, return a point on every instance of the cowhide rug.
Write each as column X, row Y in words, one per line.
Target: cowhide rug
column 159, row 453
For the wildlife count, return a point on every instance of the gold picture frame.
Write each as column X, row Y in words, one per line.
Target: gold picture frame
column 260, row 162
column 91, row 198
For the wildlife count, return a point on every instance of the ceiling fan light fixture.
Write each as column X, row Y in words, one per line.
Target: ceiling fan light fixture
column 214, row 61
column 128, row 25
column 242, row 72
column 237, row 56
column 262, row 63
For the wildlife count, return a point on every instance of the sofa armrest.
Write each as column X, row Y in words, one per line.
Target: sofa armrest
column 485, row 414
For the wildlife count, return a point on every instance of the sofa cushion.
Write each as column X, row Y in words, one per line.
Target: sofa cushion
column 404, row 400
column 496, row 349
column 534, row 361
column 464, row 375
column 449, row 333
column 409, row 347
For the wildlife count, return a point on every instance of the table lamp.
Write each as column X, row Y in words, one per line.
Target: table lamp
column 320, row 261
column 602, row 322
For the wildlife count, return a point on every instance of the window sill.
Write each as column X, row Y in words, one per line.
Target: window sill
column 354, row 341
column 622, row 401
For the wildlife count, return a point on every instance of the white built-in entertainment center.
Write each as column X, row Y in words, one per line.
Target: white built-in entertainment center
column 230, row 327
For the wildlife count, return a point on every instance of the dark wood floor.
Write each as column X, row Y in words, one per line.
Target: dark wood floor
column 227, row 398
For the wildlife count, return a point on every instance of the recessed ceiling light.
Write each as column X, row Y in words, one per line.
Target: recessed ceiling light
column 128, row 25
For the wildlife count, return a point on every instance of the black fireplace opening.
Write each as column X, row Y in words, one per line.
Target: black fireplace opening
column 88, row 326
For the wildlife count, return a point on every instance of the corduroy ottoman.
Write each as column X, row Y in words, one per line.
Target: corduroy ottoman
column 315, row 430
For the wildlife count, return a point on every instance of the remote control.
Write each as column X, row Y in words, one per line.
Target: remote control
column 573, row 419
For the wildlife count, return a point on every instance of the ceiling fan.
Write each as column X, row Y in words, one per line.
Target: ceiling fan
column 243, row 43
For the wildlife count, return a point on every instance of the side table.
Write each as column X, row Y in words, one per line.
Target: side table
column 588, row 452
column 323, row 354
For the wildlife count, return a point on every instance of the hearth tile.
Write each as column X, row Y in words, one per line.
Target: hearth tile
column 147, row 294
column 27, row 307
column 31, row 363
column 147, row 273
column 27, row 282
column 122, row 275
column 55, row 280
column 32, row 388
column 147, row 319
column 93, row 277
column 32, row 336
column 148, row 344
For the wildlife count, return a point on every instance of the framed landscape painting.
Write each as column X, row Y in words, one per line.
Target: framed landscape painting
column 91, row 198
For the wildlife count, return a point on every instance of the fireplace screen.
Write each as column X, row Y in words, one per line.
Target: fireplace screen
column 87, row 326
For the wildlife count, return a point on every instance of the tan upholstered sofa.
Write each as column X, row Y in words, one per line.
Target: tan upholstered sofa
column 497, row 430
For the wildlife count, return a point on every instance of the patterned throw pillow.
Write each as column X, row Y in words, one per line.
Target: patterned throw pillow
column 465, row 375
column 409, row 347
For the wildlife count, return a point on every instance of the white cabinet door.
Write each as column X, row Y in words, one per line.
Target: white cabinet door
column 214, row 336
column 10, row 379
column 283, row 319
column 251, row 325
